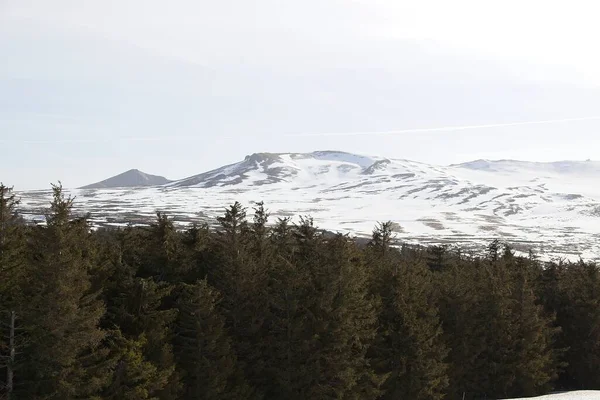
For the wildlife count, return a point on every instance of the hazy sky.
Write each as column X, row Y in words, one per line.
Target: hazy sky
column 91, row 88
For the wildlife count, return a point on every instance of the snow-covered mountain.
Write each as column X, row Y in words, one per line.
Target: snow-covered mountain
column 131, row 178
column 267, row 168
column 550, row 207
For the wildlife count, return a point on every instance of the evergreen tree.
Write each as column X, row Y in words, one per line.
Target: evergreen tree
column 409, row 346
column 502, row 341
column 204, row 350
column 575, row 298
column 133, row 377
column 349, row 324
column 140, row 344
column 284, row 349
column 537, row 356
column 12, row 249
column 12, row 278
column 255, row 311
column 138, row 310
column 64, row 356
column 242, row 278
column 323, row 317
column 164, row 260
column 197, row 255
column 464, row 322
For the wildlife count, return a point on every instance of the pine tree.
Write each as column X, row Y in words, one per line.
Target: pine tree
column 197, row 252
column 409, row 346
column 204, row 350
column 323, row 319
column 12, row 247
column 242, row 278
column 232, row 256
column 537, row 362
column 502, row 342
column 284, row 347
column 575, row 298
column 140, row 324
column 64, row 355
column 134, row 377
column 164, row 260
column 349, row 324
column 12, row 278
column 411, row 342
column 529, row 339
column 137, row 309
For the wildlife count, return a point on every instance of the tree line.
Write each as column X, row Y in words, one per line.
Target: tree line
column 259, row 309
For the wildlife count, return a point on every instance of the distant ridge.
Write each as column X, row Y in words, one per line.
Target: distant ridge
column 272, row 168
column 553, row 206
column 131, row 178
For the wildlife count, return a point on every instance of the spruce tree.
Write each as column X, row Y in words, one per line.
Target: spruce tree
column 575, row 298
column 241, row 277
column 64, row 358
column 133, row 376
column 197, row 254
column 410, row 342
column 502, row 341
column 349, row 324
column 323, row 318
column 12, row 278
column 164, row 259
column 537, row 356
column 409, row 346
column 140, row 321
column 204, row 350
column 285, row 349
column 529, row 339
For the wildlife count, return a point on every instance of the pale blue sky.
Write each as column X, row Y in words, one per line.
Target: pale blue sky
column 90, row 88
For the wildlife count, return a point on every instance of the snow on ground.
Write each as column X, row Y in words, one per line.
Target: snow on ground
column 549, row 207
column 579, row 395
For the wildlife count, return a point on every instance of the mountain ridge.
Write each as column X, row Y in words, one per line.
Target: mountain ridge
column 552, row 207
column 131, row 178
column 370, row 165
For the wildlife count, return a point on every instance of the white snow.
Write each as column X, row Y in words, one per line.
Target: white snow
column 550, row 207
column 578, row 395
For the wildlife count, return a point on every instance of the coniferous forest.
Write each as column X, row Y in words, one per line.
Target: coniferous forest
column 262, row 309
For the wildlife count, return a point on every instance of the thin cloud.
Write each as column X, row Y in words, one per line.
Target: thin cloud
column 445, row 128
column 312, row 134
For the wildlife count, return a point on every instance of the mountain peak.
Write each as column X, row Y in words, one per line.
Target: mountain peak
column 259, row 169
column 131, row 178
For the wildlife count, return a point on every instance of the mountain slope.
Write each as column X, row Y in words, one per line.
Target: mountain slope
column 549, row 207
column 129, row 179
column 266, row 168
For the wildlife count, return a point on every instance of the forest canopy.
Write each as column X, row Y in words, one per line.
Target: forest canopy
column 261, row 309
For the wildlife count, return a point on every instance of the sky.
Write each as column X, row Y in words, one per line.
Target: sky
column 91, row 88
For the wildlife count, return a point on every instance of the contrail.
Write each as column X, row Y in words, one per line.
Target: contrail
column 312, row 134
column 444, row 129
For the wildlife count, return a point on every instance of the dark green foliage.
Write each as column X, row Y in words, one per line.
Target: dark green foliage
column 12, row 249
column 12, row 279
column 572, row 292
column 254, row 310
column 409, row 346
column 502, row 341
column 134, row 377
column 63, row 357
column 203, row 348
